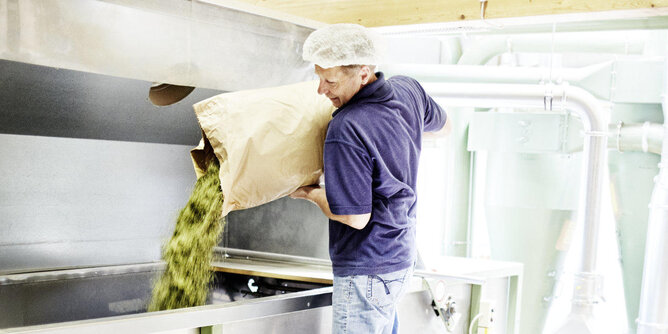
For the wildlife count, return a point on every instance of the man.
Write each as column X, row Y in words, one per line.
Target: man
column 371, row 158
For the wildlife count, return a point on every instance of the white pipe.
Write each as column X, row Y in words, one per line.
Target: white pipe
column 486, row 48
column 491, row 74
column 646, row 137
column 595, row 126
column 653, row 313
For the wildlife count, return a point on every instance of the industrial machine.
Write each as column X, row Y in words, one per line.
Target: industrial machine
column 557, row 136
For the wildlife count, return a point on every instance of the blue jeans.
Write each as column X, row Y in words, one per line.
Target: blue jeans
column 367, row 303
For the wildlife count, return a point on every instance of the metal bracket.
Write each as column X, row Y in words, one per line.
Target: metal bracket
column 443, row 309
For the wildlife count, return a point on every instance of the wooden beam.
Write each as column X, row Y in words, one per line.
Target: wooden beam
column 376, row 13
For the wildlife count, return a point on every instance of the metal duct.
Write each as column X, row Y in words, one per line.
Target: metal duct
column 189, row 43
column 653, row 313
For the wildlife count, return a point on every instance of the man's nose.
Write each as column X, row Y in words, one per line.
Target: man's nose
column 321, row 88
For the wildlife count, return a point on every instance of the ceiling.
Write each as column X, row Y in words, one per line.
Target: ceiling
column 378, row 13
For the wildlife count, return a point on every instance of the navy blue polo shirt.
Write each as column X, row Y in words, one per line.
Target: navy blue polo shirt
column 371, row 158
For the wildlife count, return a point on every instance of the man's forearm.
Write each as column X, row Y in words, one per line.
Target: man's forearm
column 318, row 196
column 443, row 132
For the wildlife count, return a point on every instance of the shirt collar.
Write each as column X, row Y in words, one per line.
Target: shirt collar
column 376, row 91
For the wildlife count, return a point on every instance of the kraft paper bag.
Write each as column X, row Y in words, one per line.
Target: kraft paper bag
column 269, row 141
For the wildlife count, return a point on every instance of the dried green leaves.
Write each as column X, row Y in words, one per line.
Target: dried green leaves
column 188, row 253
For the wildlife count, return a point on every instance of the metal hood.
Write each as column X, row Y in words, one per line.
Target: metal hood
column 184, row 42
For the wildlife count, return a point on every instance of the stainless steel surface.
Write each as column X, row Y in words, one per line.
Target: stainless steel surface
column 286, row 226
column 67, row 203
column 189, row 43
column 223, row 253
column 311, row 321
column 449, row 278
column 44, row 101
column 192, row 317
column 274, row 268
column 68, row 295
column 102, row 195
column 38, row 277
column 307, row 313
column 49, row 298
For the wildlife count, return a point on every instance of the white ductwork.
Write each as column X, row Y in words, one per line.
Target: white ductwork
column 486, row 48
column 582, row 103
column 493, row 74
column 653, row 313
column 645, row 137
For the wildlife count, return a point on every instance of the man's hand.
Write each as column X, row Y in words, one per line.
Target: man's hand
column 318, row 196
column 303, row 192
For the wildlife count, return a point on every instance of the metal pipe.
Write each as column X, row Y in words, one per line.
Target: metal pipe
column 653, row 313
column 595, row 143
column 646, row 137
column 192, row 317
column 490, row 74
column 485, row 49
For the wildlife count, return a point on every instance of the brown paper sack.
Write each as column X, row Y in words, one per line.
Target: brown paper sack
column 269, row 142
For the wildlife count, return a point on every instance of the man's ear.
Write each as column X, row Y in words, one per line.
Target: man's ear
column 365, row 73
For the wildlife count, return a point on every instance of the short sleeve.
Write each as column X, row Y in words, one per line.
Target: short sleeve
column 434, row 115
column 348, row 178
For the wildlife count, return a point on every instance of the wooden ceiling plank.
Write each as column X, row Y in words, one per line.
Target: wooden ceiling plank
column 374, row 13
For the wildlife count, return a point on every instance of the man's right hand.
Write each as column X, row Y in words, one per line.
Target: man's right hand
column 303, row 192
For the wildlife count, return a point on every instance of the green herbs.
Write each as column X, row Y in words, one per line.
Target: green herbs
column 188, row 253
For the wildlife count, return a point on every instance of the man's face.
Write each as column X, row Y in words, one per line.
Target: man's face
column 337, row 84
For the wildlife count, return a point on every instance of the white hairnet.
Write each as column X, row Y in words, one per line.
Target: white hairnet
column 343, row 44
